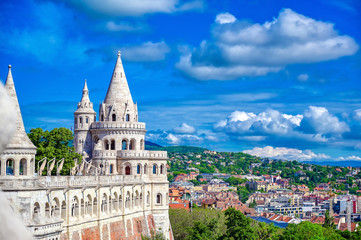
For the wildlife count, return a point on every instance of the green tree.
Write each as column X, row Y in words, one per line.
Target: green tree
column 238, row 226
column 57, row 144
column 303, row 231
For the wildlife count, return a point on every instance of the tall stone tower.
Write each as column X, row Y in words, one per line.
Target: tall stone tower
column 18, row 159
column 84, row 116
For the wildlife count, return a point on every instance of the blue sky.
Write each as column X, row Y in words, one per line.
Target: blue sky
column 271, row 78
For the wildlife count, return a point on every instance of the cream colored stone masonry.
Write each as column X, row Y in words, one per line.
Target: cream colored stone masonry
column 119, row 192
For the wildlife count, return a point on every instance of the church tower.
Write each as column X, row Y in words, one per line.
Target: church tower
column 84, row 116
column 18, row 159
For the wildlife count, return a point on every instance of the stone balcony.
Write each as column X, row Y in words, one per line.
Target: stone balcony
column 131, row 154
column 43, row 229
column 118, row 125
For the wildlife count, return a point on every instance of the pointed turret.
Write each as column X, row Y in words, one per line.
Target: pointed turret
column 118, row 103
column 20, row 139
column 85, row 105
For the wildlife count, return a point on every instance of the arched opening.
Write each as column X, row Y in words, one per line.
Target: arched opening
column 145, row 168
column 82, row 207
column 102, row 118
column 104, row 203
column 114, row 117
column 81, row 120
column 95, row 207
column 89, row 205
column 75, row 207
column 63, row 210
column 47, row 210
column 161, row 169
column 87, row 120
column 127, row 170
column 55, row 208
column 137, row 199
column 9, row 167
column 142, row 144
column 120, row 203
column 112, row 145
column 159, row 198
column 132, row 144
column 141, row 200
column 155, row 169
column 106, row 144
column 36, row 210
column 148, row 198
column 115, row 202
column 127, row 200
column 124, row 144
column 23, row 167
column 138, row 169
column 111, row 168
column 110, row 204
column 127, row 118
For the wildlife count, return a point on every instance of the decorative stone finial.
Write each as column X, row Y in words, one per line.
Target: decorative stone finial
column 9, row 66
column 119, row 53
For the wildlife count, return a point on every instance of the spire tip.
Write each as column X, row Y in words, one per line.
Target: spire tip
column 119, row 53
column 9, row 66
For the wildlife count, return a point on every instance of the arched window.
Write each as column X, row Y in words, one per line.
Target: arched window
column 154, row 169
column 87, row 120
column 127, row 170
column 112, row 145
column 124, row 145
column 106, row 144
column 127, row 118
column 111, row 168
column 161, row 169
column 95, row 207
column 63, row 210
column 159, row 198
column 132, row 144
column 102, row 117
column 36, row 210
column 23, row 167
column 104, row 203
column 80, row 120
column 9, row 167
column 114, row 117
column 138, row 169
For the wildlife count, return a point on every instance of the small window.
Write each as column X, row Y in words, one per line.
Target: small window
column 138, row 169
column 112, row 145
column 114, row 117
column 127, row 170
column 161, row 169
column 87, row 120
column 80, row 120
column 154, row 169
column 102, row 117
column 111, row 168
column 159, row 198
column 127, row 118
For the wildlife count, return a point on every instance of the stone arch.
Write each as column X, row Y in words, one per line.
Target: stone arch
column 132, row 144
column 127, row 200
column 95, row 207
column 75, row 206
column 136, row 198
column 115, row 202
column 162, row 170
column 55, row 207
column 125, row 145
column 81, row 121
column 139, row 168
column 10, row 164
column 104, row 204
column 23, row 167
column 114, row 117
column 159, row 198
column 127, row 168
column 36, row 211
column 112, row 144
column 47, row 210
column 155, row 169
column 148, row 198
column 82, row 207
column 63, row 210
column 106, row 144
column 89, row 204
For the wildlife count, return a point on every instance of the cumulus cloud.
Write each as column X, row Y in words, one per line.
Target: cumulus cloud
column 124, row 26
column 146, row 52
column 223, row 18
column 357, row 115
column 242, row 49
column 286, row 153
column 134, row 7
column 319, row 120
column 184, row 128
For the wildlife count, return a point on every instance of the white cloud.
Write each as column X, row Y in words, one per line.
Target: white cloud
column 123, row 26
column 357, row 114
column 133, row 7
column 350, row 158
column 184, row 128
column 303, row 77
column 223, row 18
column 240, row 49
column 146, row 52
column 323, row 122
column 286, row 153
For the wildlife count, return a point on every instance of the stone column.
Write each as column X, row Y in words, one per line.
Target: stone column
column 16, row 167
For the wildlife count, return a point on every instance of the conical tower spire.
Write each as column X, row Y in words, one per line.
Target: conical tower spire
column 20, row 139
column 85, row 105
column 118, row 91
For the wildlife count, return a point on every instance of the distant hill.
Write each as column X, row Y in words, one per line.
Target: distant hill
column 335, row 163
column 173, row 149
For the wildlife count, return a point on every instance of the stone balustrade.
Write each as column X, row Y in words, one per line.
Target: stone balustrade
column 142, row 154
column 118, row 125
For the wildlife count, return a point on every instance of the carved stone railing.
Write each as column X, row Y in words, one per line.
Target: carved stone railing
column 118, row 125
column 131, row 154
